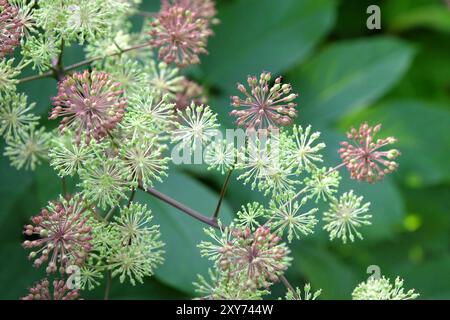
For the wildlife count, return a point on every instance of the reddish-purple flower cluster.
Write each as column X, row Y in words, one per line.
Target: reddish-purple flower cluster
column 259, row 255
column 180, row 34
column 90, row 103
column 362, row 155
column 264, row 108
column 192, row 92
column 63, row 234
column 41, row 291
column 204, row 8
column 10, row 28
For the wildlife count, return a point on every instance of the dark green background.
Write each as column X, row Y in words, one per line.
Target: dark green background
column 344, row 73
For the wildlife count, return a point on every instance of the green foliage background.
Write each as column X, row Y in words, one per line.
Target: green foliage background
column 345, row 73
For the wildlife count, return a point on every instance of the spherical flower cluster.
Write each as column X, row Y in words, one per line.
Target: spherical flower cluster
column 8, row 74
column 197, row 125
column 345, row 216
column 10, row 28
column 64, row 236
column 288, row 217
column 220, row 155
column 382, row 289
column 41, row 291
column 145, row 161
column 192, row 92
column 90, row 103
column 204, row 8
column 264, row 107
column 362, row 156
column 15, row 115
column 258, row 256
column 164, row 80
column 322, row 184
column 104, row 181
column 222, row 287
column 28, row 149
column 180, row 35
column 304, row 153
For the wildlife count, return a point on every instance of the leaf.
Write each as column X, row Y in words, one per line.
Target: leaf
column 12, row 183
column 422, row 132
column 406, row 15
column 257, row 35
column 430, row 278
column 180, row 232
column 324, row 271
column 349, row 75
column 16, row 272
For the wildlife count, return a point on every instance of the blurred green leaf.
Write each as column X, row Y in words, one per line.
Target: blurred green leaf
column 349, row 75
column 180, row 232
column 12, row 183
column 430, row 278
column 324, row 271
column 422, row 132
column 257, row 35
column 430, row 16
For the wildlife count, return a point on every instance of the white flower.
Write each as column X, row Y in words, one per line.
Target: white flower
column 287, row 216
column 67, row 157
column 307, row 294
column 382, row 289
column 15, row 115
column 345, row 216
column 322, row 184
column 27, row 150
column 303, row 153
column 197, row 126
column 164, row 80
column 145, row 161
column 248, row 216
column 220, row 155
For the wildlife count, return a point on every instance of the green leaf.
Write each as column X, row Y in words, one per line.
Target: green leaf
column 349, row 75
column 422, row 132
column 409, row 14
column 430, row 278
column 324, row 271
column 16, row 272
column 12, row 183
column 257, row 35
column 180, row 232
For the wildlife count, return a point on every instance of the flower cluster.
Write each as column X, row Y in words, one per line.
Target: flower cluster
column 363, row 157
column 260, row 256
column 10, row 27
column 41, row 291
column 383, row 289
column 264, row 107
column 180, row 34
column 131, row 104
column 64, row 236
column 345, row 216
column 90, row 103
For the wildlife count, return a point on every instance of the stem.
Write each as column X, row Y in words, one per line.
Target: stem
column 109, row 214
column 133, row 193
column 108, row 284
column 194, row 214
column 222, row 194
column 82, row 63
column 288, row 285
column 64, row 186
column 146, row 14
column 337, row 167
